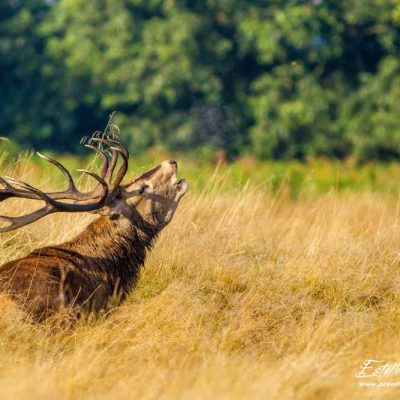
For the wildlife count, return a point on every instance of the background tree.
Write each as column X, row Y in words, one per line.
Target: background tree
column 277, row 79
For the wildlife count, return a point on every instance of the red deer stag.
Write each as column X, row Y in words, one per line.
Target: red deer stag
column 102, row 263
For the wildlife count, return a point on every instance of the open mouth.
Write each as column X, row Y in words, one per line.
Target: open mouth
column 182, row 186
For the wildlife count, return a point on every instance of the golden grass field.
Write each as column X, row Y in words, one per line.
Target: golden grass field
column 246, row 295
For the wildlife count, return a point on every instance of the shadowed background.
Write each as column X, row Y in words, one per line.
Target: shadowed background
column 281, row 80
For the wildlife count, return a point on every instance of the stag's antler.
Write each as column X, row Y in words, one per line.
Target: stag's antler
column 94, row 200
column 117, row 149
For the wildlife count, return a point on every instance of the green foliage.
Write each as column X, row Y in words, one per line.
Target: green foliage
column 373, row 113
column 287, row 79
column 21, row 53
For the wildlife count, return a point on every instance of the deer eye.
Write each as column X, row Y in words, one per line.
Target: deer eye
column 143, row 189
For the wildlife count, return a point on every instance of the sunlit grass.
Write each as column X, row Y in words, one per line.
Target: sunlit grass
column 252, row 291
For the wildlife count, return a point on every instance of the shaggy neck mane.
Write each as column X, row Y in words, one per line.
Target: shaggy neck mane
column 112, row 239
column 115, row 247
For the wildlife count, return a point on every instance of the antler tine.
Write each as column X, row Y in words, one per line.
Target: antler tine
column 111, row 143
column 106, row 163
column 19, row 222
column 66, row 206
column 30, row 188
column 112, row 163
column 51, row 204
column 72, row 192
column 120, row 146
column 71, row 183
column 99, row 179
column 11, row 191
column 117, row 148
column 5, row 183
column 122, row 170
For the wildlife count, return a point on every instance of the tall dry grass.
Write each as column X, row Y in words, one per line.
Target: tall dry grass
column 245, row 296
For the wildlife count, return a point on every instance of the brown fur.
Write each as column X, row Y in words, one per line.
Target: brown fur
column 98, row 268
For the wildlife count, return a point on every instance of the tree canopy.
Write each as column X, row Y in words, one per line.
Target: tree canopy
column 278, row 79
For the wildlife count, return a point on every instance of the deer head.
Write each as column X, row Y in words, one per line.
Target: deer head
column 150, row 199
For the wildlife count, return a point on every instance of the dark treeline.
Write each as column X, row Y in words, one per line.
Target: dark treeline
column 278, row 79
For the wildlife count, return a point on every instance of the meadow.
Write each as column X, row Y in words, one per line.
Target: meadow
column 273, row 281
